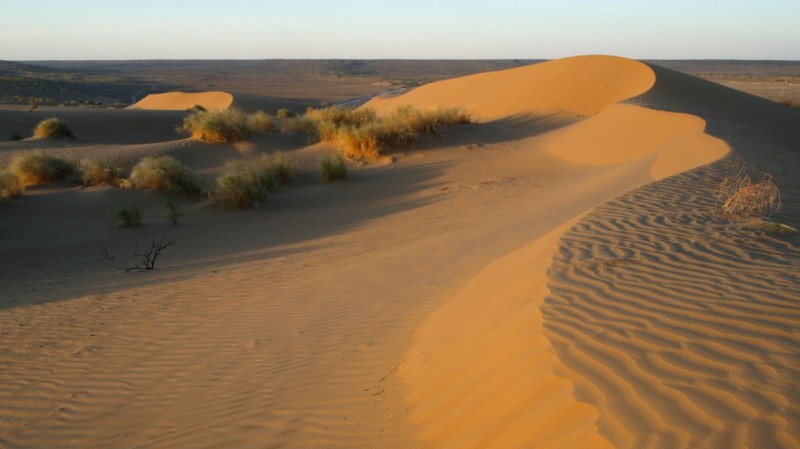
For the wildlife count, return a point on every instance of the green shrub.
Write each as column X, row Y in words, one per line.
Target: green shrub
column 38, row 167
column 53, row 128
column 218, row 126
column 260, row 123
column 333, row 168
column 246, row 182
column 127, row 216
column 173, row 211
column 94, row 171
column 16, row 136
column 10, row 186
column 163, row 173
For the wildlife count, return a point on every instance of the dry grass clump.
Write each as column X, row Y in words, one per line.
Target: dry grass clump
column 53, row 128
column 38, row 167
column 740, row 196
column 247, row 182
column 10, row 186
column 163, row 173
column 333, row 168
column 127, row 216
column 361, row 133
column 94, row 171
column 217, row 126
column 260, row 123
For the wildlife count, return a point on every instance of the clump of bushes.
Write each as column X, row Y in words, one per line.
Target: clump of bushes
column 333, row 168
column 740, row 196
column 53, row 128
column 163, row 173
column 362, row 133
column 10, row 186
column 226, row 125
column 38, row 167
column 94, row 171
column 246, row 182
column 127, row 216
column 284, row 113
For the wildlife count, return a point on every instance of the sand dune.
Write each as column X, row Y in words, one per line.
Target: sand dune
column 538, row 280
column 181, row 101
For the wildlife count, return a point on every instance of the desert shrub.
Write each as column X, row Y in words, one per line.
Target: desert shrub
column 284, row 113
column 260, row 123
column 127, row 216
column 53, row 128
column 333, row 168
column 738, row 195
column 218, row 126
column 163, row 173
column 776, row 228
column 16, row 136
column 173, row 211
column 33, row 104
column 246, row 182
column 38, row 167
column 197, row 108
column 10, row 186
column 94, row 171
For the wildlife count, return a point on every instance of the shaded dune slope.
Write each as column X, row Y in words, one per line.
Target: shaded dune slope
column 488, row 369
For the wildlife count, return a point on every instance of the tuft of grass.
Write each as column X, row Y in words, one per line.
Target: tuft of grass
column 163, row 173
column 173, row 211
column 740, row 196
column 247, row 182
column 37, row 167
column 94, row 171
column 333, row 168
column 127, row 216
column 361, row 133
column 260, row 123
column 284, row 113
column 53, row 128
column 197, row 108
column 10, row 186
column 218, row 126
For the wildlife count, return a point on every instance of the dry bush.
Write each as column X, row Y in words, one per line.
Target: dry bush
column 738, row 195
column 38, row 167
column 163, row 173
column 94, row 171
column 260, row 123
column 246, row 182
column 10, row 186
column 218, row 126
column 127, row 216
column 53, row 128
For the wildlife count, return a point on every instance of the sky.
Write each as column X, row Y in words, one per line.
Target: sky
column 411, row 29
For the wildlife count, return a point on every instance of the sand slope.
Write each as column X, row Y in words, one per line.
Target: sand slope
column 519, row 283
column 181, row 101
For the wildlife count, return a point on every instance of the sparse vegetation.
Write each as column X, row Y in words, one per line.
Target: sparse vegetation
column 361, row 133
column 127, row 216
column 197, row 108
column 776, row 228
column 147, row 259
column 791, row 104
column 738, row 195
column 10, row 186
column 218, row 126
column 260, row 123
column 38, row 167
column 333, row 168
column 163, row 173
column 53, row 128
column 284, row 113
column 16, row 136
column 33, row 104
column 247, row 182
column 94, row 171
column 173, row 211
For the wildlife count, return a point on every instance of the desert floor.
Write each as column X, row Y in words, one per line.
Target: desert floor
column 557, row 274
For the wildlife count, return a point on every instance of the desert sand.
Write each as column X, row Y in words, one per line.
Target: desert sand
column 555, row 275
column 181, row 101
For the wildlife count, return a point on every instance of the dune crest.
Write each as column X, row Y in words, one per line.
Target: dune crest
column 581, row 85
column 181, row 101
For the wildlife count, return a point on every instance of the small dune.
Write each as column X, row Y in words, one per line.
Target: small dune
column 181, row 101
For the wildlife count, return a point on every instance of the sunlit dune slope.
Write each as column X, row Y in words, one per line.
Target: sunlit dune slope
column 180, row 101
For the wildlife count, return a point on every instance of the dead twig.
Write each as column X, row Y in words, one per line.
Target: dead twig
column 147, row 258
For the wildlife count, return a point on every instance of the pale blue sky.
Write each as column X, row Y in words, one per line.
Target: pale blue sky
column 360, row 29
